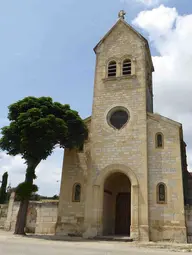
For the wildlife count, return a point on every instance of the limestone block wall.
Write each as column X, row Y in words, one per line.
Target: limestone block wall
column 46, row 217
column 3, row 214
column 167, row 221
column 41, row 216
column 71, row 214
column 126, row 146
column 14, row 213
column 75, row 170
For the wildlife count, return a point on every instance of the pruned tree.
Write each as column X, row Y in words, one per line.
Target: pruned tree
column 36, row 126
column 3, row 190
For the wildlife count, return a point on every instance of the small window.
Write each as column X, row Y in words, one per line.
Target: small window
column 127, row 67
column 112, row 68
column 161, row 193
column 159, row 140
column 77, row 192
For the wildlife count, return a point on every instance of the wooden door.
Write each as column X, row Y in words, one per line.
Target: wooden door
column 123, row 214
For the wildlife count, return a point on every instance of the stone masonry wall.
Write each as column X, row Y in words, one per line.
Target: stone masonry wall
column 167, row 221
column 75, row 170
column 45, row 220
column 41, row 216
column 3, row 214
column 126, row 146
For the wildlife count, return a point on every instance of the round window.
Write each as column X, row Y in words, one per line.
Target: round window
column 118, row 117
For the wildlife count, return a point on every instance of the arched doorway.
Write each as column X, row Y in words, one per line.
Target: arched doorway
column 117, row 205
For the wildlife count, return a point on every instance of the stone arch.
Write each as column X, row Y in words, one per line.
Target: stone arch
column 98, row 196
column 108, row 170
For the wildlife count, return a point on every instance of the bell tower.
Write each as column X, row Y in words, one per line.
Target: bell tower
column 122, row 97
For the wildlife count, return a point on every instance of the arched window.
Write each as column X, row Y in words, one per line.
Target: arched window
column 112, row 69
column 159, row 140
column 77, row 192
column 161, row 193
column 126, row 67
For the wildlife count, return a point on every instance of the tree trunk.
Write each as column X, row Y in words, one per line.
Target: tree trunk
column 22, row 213
column 21, row 218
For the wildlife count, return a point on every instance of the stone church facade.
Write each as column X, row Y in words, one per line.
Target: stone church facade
column 128, row 178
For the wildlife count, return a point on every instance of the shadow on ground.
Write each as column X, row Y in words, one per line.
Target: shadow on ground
column 80, row 239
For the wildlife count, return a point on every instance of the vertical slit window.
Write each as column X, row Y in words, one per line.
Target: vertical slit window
column 161, row 193
column 159, row 140
column 77, row 192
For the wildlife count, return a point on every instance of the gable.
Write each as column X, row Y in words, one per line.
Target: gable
column 132, row 30
column 159, row 118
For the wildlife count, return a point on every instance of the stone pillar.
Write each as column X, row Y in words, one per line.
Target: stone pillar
column 119, row 69
column 96, row 208
column 135, row 212
column 92, row 222
column 9, row 212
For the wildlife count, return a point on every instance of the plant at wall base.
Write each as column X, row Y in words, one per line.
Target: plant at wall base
column 3, row 193
column 36, row 126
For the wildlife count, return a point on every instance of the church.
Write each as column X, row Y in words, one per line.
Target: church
column 127, row 180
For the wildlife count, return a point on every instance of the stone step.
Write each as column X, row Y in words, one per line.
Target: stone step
column 114, row 238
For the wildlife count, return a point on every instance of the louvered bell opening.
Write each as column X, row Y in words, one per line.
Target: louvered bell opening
column 127, row 67
column 112, row 69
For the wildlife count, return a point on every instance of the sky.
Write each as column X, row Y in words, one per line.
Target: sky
column 46, row 49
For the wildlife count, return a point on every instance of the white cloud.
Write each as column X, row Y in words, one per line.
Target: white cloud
column 150, row 2
column 157, row 22
column 147, row 3
column 48, row 172
column 171, row 36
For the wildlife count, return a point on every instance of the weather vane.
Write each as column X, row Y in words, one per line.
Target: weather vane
column 121, row 14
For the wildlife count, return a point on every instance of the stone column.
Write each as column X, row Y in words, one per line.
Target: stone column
column 119, row 69
column 92, row 210
column 135, row 212
column 96, row 208
column 7, row 225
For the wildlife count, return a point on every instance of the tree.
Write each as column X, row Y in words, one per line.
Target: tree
column 3, row 193
column 36, row 126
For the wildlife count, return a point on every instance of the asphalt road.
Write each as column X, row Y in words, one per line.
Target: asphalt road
column 12, row 245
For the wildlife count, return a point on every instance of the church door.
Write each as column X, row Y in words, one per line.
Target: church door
column 123, row 214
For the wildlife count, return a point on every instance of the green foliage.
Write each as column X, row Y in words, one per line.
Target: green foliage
column 37, row 125
column 24, row 190
column 3, row 194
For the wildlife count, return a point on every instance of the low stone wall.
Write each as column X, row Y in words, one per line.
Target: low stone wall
column 41, row 217
column 3, row 215
column 46, row 217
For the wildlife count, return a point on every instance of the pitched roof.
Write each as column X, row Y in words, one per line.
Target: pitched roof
column 158, row 117
column 130, row 27
column 87, row 119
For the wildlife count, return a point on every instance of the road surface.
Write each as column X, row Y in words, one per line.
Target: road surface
column 13, row 245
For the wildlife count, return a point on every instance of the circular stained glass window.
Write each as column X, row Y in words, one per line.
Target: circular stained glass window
column 118, row 118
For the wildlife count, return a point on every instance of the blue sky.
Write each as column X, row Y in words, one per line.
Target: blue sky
column 46, row 49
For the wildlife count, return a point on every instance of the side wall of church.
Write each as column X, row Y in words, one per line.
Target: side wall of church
column 167, row 221
column 70, row 213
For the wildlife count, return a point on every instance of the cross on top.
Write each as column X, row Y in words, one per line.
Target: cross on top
column 121, row 14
